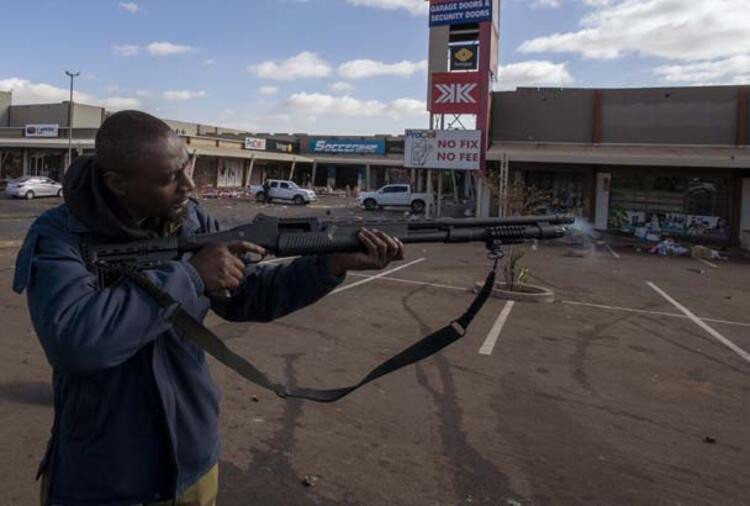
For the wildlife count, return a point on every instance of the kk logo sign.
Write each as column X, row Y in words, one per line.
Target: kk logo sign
column 455, row 93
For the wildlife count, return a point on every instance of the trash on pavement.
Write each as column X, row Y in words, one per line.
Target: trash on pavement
column 668, row 248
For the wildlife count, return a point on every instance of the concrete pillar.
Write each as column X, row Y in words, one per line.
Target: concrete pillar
column 25, row 163
column 745, row 214
column 249, row 174
column 368, row 180
column 414, row 179
column 601, row 214
column 331, row 181
column 430, row 196
column 291, row 172
column 314, row 170
column 439, row 211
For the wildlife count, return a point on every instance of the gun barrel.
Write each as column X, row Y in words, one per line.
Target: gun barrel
column 551, row 219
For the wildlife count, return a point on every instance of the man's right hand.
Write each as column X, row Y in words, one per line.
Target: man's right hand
column 219, row 264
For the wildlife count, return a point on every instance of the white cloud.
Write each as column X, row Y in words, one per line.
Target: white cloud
column 733, row 70
column 303, row 65
column 532, row 73
column 26, row 92
column 318, row 103
column 131, row 7
column 416, row 7
column 361, row 69
column 166, row 49
column 125, row 49
column 183, row 94
column 687, row 30
column 537, row 4
column 341, row 87
column 120, row 103
column 268, row 90
column 208, row 62
column 142, row 93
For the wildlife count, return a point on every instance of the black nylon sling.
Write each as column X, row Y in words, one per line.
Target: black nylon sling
column 214, row 346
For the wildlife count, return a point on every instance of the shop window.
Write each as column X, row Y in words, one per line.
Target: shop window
column 669, row 204
column 565, row 191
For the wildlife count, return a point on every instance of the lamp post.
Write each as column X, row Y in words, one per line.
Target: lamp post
column 70, row 118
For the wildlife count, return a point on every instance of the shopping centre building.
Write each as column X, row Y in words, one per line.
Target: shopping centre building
column 625, row 159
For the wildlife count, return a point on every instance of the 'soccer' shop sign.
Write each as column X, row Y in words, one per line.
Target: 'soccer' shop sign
column 41, row 130
column 255, row 143
column 448, row 12
column 455, row 93
column 347, row 146
column 443, row 149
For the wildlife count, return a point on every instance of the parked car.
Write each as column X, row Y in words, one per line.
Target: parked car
column 285, row 190
column 399, row 195
column 29, row 187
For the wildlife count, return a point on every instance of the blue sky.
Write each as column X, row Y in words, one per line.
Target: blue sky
column 346, row 66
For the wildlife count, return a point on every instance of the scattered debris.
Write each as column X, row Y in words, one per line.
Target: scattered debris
column 697, row 271
column 705, row 253
column 668, row 248
column 709, row 440
column 255, row 398
column 309, row 480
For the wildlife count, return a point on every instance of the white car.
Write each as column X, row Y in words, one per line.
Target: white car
column 285, row 190
column 29, row 187
column 397, row 195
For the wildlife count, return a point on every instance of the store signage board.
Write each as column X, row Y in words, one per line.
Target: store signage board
column 454, row 93
column 41, row 130
column 447, row 12
column 464, row 56
column 346, row 146
column 443, row 149
column 255, row 143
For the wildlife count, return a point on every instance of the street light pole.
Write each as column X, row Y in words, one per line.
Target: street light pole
column 70, row 118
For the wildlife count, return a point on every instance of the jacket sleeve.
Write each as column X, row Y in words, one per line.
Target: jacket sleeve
column 83, row 328
column 270, row 292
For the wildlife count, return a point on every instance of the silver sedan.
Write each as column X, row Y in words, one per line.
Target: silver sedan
column 29, row 187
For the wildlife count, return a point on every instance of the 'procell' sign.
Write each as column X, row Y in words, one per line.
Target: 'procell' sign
column 454, row 93
column 443, row 149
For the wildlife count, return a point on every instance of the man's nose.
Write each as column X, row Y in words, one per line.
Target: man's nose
column 186, row 182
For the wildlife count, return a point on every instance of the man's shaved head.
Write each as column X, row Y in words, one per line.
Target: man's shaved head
column 128, row 138
column 144, row 164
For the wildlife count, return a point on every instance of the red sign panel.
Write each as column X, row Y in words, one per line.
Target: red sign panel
column 454, row 93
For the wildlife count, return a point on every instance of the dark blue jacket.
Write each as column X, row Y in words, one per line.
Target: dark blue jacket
column 136, row 410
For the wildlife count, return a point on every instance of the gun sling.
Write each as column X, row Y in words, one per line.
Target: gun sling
column 215, row 347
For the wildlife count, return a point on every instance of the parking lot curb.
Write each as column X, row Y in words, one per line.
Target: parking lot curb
column 10, row 244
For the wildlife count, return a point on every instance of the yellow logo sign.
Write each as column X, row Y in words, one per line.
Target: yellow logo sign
column 464, row 54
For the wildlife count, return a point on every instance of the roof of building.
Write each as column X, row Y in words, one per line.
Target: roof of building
column 623, row 154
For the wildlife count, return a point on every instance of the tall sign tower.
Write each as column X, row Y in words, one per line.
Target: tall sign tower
column 462, row 65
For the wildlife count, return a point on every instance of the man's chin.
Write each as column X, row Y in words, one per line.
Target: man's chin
column 177, row 212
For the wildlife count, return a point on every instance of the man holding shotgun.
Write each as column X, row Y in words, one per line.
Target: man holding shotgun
column 136, row 410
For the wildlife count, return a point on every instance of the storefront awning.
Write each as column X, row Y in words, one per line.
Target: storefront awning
column 383, row 161
column 623, row 154
column 42, row 143
column 247, row 154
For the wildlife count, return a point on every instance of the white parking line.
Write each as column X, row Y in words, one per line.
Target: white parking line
column 612, row 252
column 412, row 282
column 657, row 313
column 713, row 333
column 377, row 276
column 489, row 343
column 708, row 263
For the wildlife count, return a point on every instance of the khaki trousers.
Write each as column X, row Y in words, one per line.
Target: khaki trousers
column 201, row 493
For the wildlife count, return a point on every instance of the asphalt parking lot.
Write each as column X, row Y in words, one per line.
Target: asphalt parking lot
column 632, row 388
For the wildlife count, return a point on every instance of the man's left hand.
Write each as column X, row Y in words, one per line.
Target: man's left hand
column 382, row 249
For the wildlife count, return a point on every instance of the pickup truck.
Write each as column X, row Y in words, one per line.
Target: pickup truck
column 394, row 195
column 285, row 190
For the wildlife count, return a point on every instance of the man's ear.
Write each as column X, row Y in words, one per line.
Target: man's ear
column 116, row 183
